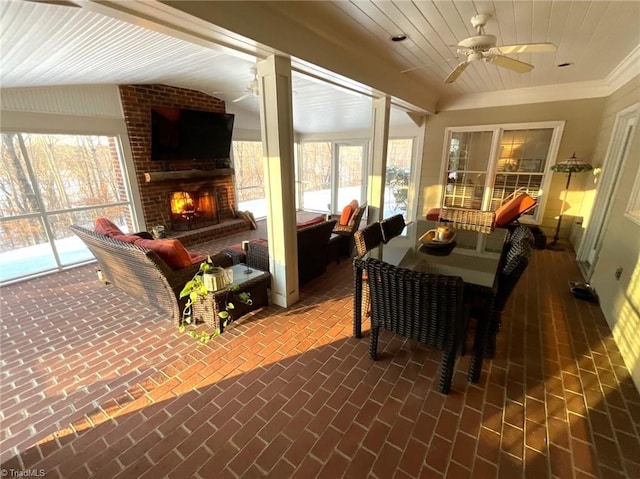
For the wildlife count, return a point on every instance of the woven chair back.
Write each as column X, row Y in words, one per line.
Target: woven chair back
column 465, row 219
column 392, row 227
column 516, row 262
column 421, row 306
column 367, row 238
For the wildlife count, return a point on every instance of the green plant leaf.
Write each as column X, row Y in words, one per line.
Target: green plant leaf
column 181, row 329
column 186, row 291
column 230, row 306
column 223, row 314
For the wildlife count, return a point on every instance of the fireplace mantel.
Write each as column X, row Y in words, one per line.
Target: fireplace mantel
column 186, row 174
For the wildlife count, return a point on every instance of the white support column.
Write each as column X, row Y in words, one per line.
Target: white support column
column 378, row 157
column 276, row 123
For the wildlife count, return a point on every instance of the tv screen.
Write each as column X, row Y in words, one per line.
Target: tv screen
column 181, row 134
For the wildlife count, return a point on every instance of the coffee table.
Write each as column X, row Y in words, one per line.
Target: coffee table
column 205, row 309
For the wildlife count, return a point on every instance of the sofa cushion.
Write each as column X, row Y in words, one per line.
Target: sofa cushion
column 311, row 222
column 170, row 250
column 512, row 209
column 106, row 227
column 347, row 212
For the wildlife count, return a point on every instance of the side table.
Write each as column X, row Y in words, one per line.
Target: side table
column 256, row 283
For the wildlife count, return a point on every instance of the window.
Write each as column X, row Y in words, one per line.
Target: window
column 249, row 175
column 48, row 182
column 396, row 192
column 485, row 165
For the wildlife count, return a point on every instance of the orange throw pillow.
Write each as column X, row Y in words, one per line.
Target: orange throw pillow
column 170, row 250
column 106, row 227
column 347, row 211
column 512, row 209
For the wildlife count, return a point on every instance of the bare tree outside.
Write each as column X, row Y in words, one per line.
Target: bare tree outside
column 48, row 182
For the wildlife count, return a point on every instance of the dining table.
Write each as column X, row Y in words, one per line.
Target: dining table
column 477, row 259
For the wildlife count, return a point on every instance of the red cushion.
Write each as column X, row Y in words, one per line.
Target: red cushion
column 170, row 250
column 197, row 258
column 127, row 238
column 512, row 209
column 433, row 214
column 311, row 222
column 347, row 211
column 106, row 227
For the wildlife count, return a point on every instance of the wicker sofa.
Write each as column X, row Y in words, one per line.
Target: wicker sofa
column 313, row 242
column 140, row 272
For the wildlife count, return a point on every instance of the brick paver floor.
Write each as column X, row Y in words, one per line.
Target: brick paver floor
column 95, row 385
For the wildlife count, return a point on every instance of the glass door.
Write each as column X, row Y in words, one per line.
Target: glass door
column 349, row 173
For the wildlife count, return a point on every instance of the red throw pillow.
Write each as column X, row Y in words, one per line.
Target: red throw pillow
column 512, row 209
column 311, row 222
column 106, row 227
column 347, row 211
column 197, row 258
column 170, row 250
column 433, row 214
column 126, row 238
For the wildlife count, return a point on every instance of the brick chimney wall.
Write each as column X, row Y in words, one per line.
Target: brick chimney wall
column 137, row 102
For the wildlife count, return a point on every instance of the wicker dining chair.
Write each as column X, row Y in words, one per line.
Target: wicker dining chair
column 426, row 307
column 515, row 264
column 466, row 219
column 365, row 240
column 392, row 227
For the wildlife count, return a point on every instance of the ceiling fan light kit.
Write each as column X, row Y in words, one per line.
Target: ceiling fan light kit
column 483, row 47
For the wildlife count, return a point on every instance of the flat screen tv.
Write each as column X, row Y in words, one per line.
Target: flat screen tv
column 179, row 134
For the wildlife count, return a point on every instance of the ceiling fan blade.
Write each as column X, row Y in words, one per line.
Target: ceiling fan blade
column 510, row 63
column 240, row 98
column 527, row 48
column 455, row 73
column 416, row 68
column 62, row 3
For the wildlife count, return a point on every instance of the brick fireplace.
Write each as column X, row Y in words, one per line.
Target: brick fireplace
column 158, row 181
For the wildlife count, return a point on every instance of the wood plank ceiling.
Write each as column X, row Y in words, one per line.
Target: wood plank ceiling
column 51, row 44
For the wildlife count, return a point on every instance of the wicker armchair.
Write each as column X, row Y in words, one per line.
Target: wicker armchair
column 140, row 272
column 347, row 231
column 312, row 251
column 513, row 207
column 426, row 307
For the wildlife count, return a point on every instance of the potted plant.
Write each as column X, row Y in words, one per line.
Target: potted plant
column 195, row 289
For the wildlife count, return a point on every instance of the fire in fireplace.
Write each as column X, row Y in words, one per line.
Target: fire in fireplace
column 193, row 209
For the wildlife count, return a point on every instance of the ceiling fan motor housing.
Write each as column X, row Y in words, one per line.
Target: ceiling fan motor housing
column 479, row 42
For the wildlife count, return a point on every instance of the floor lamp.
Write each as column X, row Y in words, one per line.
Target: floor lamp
column 569, row 166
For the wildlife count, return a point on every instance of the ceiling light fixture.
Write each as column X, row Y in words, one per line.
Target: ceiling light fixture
column 400, row 37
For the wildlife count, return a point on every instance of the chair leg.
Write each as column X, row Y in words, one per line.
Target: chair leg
column 448, row 363
column 357, row 302
column 373, row 344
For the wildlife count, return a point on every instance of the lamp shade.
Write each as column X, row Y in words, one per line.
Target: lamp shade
column 572, row 165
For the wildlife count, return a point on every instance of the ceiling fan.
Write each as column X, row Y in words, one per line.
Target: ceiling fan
column 250, row 90
column 483, row 47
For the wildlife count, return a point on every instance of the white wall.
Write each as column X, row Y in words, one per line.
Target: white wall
column 620, row 299
column 582, row 122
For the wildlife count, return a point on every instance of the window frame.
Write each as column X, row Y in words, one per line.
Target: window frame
column 497, row 131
